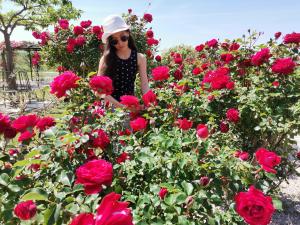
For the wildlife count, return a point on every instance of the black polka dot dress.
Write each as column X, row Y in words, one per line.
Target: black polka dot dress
column 125, row 75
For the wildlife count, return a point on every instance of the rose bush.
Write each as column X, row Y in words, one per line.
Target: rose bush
column 202, row 138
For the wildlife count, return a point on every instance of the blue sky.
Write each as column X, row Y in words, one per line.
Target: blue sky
column 196, row 21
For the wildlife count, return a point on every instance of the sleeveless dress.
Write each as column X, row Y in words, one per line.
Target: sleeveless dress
column 124, row 76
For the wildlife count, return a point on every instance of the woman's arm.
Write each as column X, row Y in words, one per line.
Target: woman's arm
column 142, row 65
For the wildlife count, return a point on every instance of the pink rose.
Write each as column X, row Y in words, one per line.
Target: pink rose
column 83, row 219
column 138, row 124
column 64, row 24
column 130, row 101
column 101, row 84
column 64, row 82
column 202, row 131
column 283, row 66
column 160, row 73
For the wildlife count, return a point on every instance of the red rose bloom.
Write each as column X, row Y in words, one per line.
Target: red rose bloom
column 80, row 40
column 45, row 122
column 277, row 35
column 96, row 30
column 202, row 131
column 177, row 58
column 138, row 124
column 148, row 17
column 283, row 66
column 10, row 132
column 130, row 101
column 292, row 38
column 86, row 23
column 234, row 47
column 267, row 159
column 199, row 48
column 149, row 98
column 178, row 74
column 217, row 78
column 84, row 219
column 77, row 30
column 122, row 158
column 260, row 57
column 25, row 210
column 230, row 85
column 224, row 128
column 93, row 174
column 160, row 73
column 242, row 155
column 204, row 181
column 233, row 115
column 129, row 11
column 254, row 206
column 152, row 41
column 23, row 123
column 196, row 71
column 227, row 57
column 36, row 35
column 212, row 43
column 185, row 124
column 162, row 193
column 26, row 136
column 101, row 140
column 276, row 83
column 158, row 58
column 101, row 84
column 149, row 34
column 63, row 83
column 64, row 24
column 113, row 212
column 4, row 122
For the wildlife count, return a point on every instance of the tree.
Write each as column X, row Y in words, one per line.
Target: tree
column 30, row 14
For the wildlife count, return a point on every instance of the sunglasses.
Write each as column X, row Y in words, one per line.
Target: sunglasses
column 123, row 38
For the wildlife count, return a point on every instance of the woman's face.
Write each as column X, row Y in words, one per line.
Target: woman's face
column 120, row 39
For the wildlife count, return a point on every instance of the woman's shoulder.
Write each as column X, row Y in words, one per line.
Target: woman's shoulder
column 141, row 57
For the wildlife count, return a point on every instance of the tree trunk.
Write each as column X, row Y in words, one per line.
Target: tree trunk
column 9, row 75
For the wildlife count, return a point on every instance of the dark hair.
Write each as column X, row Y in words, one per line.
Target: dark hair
column 110, row 56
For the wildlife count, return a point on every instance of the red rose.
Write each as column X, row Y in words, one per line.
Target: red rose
column 178, row 74
column 277, row 35
column 101, row 84
column 202, row 131
column 80, row 40
column 276, row 83
column 64, row 82
column 212, row 43
column 10, row 132
column 83, row 219
column 101, row 140
column 129, row 11
column 113, row 212
column 283, row 66
column 93, row 175
column 298, row 155
column 130, row 101
column 25, row 210
column 196, row 71
column 152, row 41
column 148, row 17
column 78, row 30
column 217, row 78
column 13, row 152
column 36, row 35
column 86, row 23
column 158, row 58
column 64, row 24
column 260, row 57
column 177, row 58
column 160, row 73
column 26, row 136
column 96, row 30
column 4, row 122
column 149, row 98
column 23, row 123
column 230, row 85
column 267, row 159
column 149, row 34
column 292, row 38
column 138, row 124
column 224, row 128
column 204, row 181
column 162, row 193
column 227, row 57
column 233, row 115
column 122, row 158
column 45, row 122
column 199, row 48
column 234, row 46
column 185, row 124
column 210, row 98
column 254, row 206
column 242, row 155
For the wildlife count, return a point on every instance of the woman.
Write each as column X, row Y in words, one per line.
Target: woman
column 121, row 60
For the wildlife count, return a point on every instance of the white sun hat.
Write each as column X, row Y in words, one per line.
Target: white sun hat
column 113, row 24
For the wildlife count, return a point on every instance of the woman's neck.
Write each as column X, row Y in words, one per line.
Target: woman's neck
column 124, row 53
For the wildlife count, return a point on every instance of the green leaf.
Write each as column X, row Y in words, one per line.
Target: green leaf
column 4, row 179
column 32, row 153
column 14, row 188
column 51, row 214
column 188, row 187
column 277, row 204
column 36, row 194
column 27, row 162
